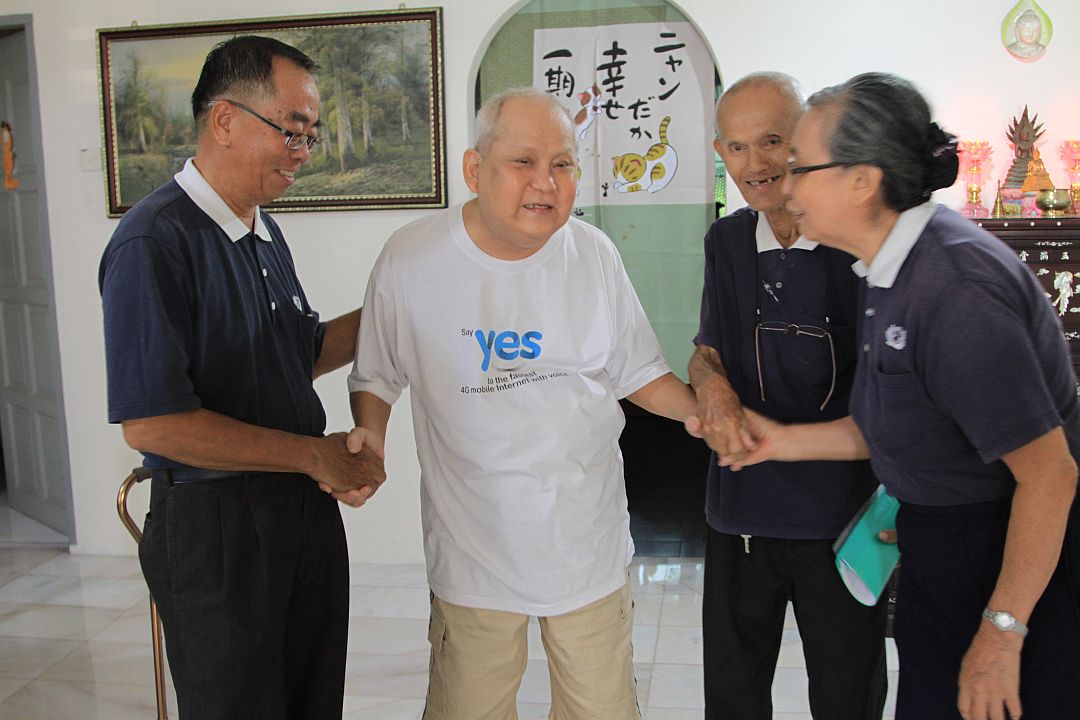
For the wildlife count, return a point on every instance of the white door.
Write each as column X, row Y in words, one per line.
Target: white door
column 31, row 402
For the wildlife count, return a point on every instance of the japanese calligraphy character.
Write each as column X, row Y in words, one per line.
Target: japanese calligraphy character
column 610, row 106
column 559, row 80
column 640, row 108
column 613, row 69
column 669, row 93
column 661, row 49
column 671, row 61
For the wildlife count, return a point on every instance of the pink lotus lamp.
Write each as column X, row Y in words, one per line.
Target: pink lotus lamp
column 974, row 165
column 1070, row 155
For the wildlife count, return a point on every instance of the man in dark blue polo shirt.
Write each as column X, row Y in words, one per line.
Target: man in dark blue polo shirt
column 777, row 335
column 211, row 350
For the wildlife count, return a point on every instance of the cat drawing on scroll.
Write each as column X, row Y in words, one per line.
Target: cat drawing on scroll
column 590, row 109
column 651, row 171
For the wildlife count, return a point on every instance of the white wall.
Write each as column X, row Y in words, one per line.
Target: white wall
column 951, row 50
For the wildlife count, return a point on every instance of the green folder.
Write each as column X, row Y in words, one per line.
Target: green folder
column 865, row 563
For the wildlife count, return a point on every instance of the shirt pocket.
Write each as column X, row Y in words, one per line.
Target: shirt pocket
column 302, row 329
column 905, row 420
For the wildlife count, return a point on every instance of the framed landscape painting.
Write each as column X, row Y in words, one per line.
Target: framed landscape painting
column 381, row 106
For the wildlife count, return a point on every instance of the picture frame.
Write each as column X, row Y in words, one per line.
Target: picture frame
column 381, row 106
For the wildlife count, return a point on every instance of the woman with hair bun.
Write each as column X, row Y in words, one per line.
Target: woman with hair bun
column 965, row 400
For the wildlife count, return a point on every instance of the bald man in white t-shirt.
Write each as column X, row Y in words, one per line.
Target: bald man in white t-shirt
column 518, row 331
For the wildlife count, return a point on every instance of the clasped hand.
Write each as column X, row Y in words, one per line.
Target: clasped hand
column 721, row 421
column 357, row 469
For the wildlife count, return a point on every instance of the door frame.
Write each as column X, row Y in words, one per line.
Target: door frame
column 10, row 24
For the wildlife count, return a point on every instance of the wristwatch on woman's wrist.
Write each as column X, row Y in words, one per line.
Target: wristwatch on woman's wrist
column 1005, row 621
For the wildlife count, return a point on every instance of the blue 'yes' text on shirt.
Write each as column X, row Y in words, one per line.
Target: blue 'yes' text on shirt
column 507, row 345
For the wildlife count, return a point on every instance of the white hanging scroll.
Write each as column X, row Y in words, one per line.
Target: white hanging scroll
column 641, row 95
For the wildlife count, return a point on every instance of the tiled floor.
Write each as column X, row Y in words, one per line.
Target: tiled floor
column 75, row 643
column 669, row 533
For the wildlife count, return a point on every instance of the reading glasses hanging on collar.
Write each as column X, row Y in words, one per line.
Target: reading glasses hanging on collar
column 785, row 328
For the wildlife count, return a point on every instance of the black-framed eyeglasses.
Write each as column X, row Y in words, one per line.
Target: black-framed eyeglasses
column 803, row 169
column 293, row 140
column 793, row 329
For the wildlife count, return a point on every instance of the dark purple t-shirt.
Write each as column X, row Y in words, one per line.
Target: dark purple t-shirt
column 961, row 361
column 816, row 290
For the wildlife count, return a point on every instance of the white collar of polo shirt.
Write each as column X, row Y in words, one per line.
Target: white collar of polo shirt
column 893, row 252
column 766, row 238
column 207, row 199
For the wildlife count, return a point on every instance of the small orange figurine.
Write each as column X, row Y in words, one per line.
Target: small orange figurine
column 8, row 140
column 1037, row 177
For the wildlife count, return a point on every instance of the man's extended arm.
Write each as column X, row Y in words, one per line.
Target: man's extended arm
column 339, row 343
column 667, row 395
column 371, row 416
column 833, row 440
column 205, row 439
column 723, row 422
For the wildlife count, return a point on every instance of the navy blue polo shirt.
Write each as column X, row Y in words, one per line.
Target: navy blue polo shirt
column 962, row 361
column 795, row 363
column 202, row 313
column 751, row 280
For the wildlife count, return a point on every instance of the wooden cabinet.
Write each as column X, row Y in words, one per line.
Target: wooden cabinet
column 1051, row 248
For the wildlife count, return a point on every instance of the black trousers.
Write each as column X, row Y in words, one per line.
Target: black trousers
column 251, row 578
column 743, row 609
column 951, row 557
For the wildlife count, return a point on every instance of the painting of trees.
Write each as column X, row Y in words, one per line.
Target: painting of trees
column 141, row 118
column 375, row 86
column 380, row 86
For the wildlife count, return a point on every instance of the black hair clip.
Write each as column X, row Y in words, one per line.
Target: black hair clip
column 940, row 143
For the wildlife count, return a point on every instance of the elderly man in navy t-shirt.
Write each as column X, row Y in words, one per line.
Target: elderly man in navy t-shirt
column 777, row 335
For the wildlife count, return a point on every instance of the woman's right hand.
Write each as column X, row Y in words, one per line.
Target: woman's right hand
column 768, row 435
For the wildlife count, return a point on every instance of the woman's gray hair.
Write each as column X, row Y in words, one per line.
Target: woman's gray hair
column 487, row 119
column 884, row 121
